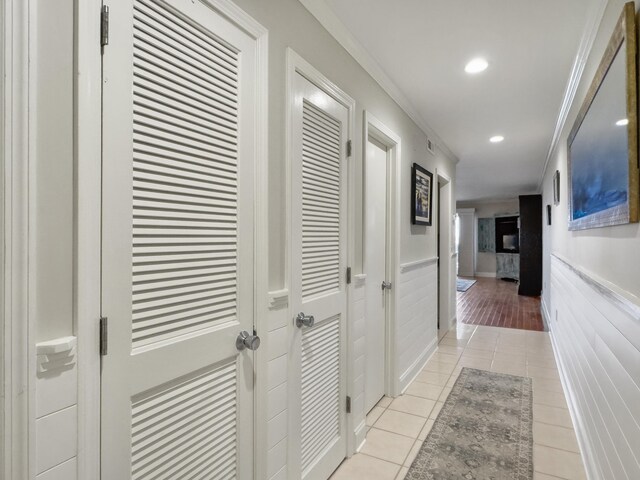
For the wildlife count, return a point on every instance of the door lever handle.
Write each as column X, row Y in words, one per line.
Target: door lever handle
column 386, row 285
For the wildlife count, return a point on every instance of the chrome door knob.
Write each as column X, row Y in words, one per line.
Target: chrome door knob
column 303, row 320
column 248, row 341
column 386, row 285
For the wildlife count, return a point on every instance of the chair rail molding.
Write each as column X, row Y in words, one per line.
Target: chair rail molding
column 407, row 267
column 278, row 299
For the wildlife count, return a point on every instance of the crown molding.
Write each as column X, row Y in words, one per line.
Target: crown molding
column 321, row 11
column 577, row 70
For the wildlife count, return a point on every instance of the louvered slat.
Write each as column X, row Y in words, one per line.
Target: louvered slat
column 321, row 185
column 185, row 141
column 320, row 402
column 187, row 427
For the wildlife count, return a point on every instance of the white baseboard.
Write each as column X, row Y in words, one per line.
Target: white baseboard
column 486, row 274
column 416, row 367
column 361, row 435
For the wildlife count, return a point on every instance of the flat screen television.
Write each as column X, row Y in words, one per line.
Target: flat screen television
column 510, row 242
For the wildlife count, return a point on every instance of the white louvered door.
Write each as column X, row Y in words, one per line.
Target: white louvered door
column 318, row 250
column 179, row 127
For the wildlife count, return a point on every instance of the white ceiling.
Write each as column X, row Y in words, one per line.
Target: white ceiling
column 423, row 46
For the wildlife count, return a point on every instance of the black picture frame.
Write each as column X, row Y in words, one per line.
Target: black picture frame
column 548, row 214
column 421, row 195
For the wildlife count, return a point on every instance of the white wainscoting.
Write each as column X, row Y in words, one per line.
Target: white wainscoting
column 596, row 336
column 56, row 409
column 416, row 318
column 277, row 358
column 357, row 425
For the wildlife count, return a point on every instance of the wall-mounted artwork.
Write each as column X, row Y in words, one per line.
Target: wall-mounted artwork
column 603, row 144
column 487, row 235
column 421, row 195
column 548, row 214
column 556, row 188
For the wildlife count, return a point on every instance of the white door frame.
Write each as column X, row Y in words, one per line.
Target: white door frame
column 88, row 92
column 383, row 134
column 17, row 373
column 469, row 212
column 296, row 65
column 444, row 253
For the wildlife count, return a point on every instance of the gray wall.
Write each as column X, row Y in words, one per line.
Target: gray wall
column 291, row 25
column 611, row 253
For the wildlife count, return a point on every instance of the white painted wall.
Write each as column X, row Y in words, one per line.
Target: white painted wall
column 611, row 253
column 486, row 261
column 291, row 25
column 596, row 340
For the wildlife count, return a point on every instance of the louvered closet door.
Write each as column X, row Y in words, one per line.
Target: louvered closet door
column 177, row 286
column 318, row 283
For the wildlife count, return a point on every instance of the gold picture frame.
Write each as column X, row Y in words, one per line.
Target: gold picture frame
column 602, row 154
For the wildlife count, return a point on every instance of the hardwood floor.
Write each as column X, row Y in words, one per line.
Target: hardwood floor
column 496, row 303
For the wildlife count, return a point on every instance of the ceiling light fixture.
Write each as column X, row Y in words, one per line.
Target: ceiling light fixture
column 476, row 65
column 623, row 122
column 496, row 139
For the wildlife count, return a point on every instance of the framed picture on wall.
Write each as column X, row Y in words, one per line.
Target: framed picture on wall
column 421, row 195
column 556, row 188
column 603, row 144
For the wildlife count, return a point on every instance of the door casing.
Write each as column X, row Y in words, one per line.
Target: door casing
column 374, row 128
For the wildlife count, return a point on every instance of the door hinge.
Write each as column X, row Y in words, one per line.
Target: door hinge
column 348, row 404
column 104, row 26
column 104, row 338
column 348, row 275
column 348, row 148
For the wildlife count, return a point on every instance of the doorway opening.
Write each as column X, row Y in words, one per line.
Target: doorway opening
column 445, row 248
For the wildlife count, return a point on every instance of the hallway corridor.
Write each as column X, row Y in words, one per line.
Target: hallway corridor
column 398, row 427
column 496, row 303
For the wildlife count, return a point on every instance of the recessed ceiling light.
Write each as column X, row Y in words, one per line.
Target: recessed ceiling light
column 476, row 65
column 623, row 122
column 496, row 139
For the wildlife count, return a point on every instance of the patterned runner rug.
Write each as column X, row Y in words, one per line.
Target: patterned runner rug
column 483, row 432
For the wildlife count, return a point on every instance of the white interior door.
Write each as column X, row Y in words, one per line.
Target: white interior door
column 466, row 261
column 179, row 127
column 375, row 248
column 318, row 249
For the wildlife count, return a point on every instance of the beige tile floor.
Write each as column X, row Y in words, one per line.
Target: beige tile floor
column 397, row 427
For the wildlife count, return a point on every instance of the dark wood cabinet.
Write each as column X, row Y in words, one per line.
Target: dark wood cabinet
column 530, row 245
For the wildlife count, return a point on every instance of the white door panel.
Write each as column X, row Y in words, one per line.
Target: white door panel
column 177, row 273
column 375, row 233
column 318, row 249
column 466, row 258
